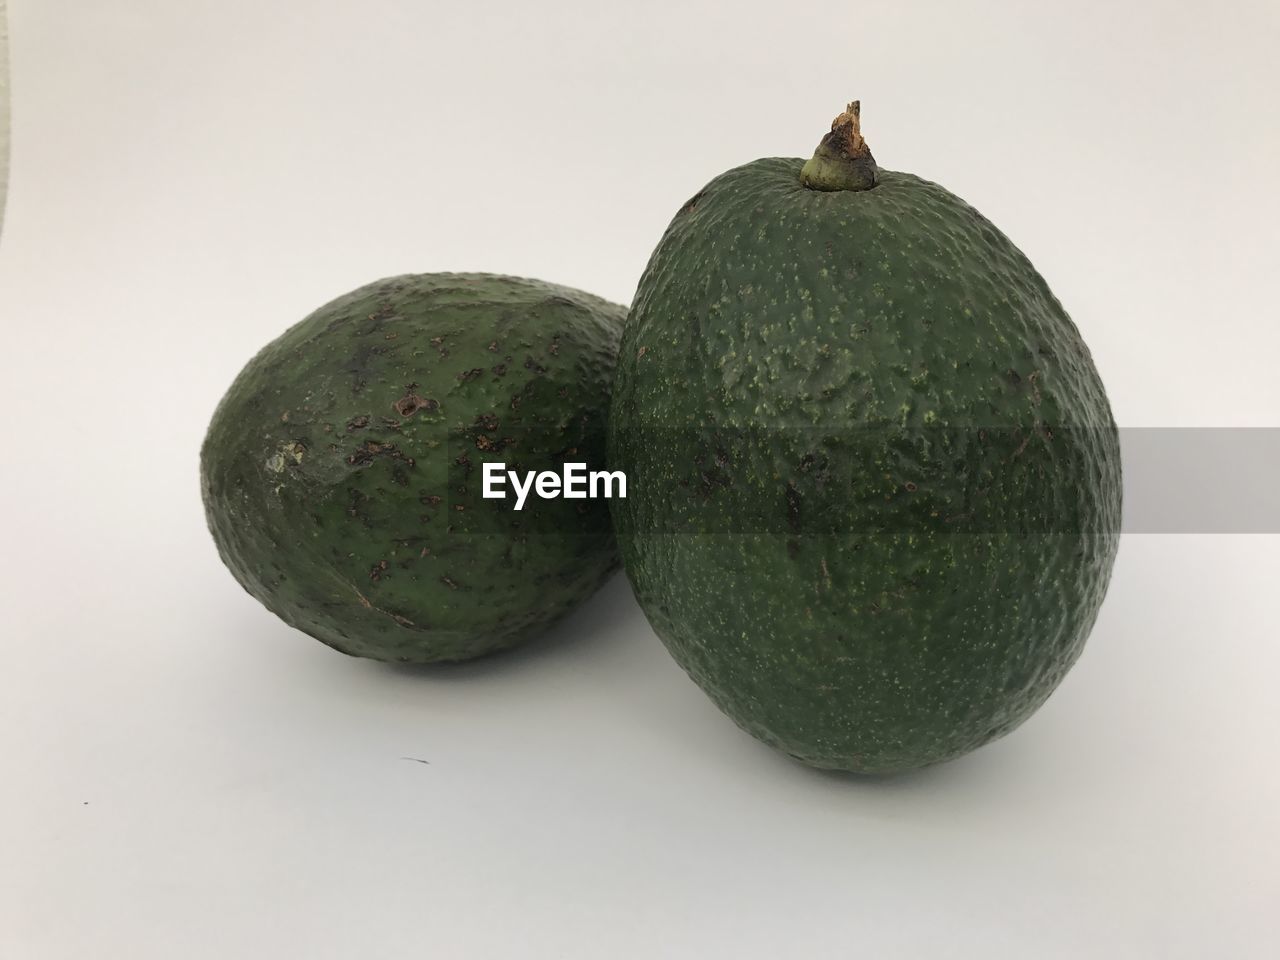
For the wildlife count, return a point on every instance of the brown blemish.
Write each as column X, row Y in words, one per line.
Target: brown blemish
column 1033, row 378
column 468, row 375
column 411, row 403
column 357, row 423
column 370, row 450
column 691, row 202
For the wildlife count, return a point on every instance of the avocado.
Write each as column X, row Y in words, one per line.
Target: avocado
column 875, row 476
column 341, row 473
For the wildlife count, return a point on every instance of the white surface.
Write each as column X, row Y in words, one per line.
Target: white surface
column 186, row 777
column 4, row 109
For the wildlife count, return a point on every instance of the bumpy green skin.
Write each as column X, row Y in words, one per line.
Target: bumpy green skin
column 342, row 471
column 874, row 478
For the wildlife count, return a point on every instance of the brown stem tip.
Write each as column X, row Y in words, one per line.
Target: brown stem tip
column 846, row 132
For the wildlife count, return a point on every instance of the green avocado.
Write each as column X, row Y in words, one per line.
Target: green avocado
column 874, row 477
column 342, row 472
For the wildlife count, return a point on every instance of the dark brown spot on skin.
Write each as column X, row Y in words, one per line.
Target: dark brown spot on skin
column 641, row 352
column 493, row 346
column 357, row 423
column 500, row 370
column 370, row 450
column 491, row 444
column 375, row 573
column 449, row 582
column 432, row 500
column 468, row 375
column 411, row 403
column 691, row 203
column 910, row 486
column 363, row 455
column 554, row 349
column 1021, row 446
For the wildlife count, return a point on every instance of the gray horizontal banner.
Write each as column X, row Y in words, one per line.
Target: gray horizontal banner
column 814, row 481
column 1201, row 479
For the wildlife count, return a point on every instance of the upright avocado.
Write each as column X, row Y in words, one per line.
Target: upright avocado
column 342, row 471
column 874, row 477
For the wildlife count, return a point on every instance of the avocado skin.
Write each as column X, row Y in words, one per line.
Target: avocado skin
column 341, row 473
column 875, row 482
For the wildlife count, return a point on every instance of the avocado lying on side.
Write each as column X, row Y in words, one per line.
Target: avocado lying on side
column 341, row 473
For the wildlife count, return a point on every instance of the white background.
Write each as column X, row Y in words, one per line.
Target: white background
column 184, row 776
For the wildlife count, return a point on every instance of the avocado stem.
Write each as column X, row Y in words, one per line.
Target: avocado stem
column 842, row 160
